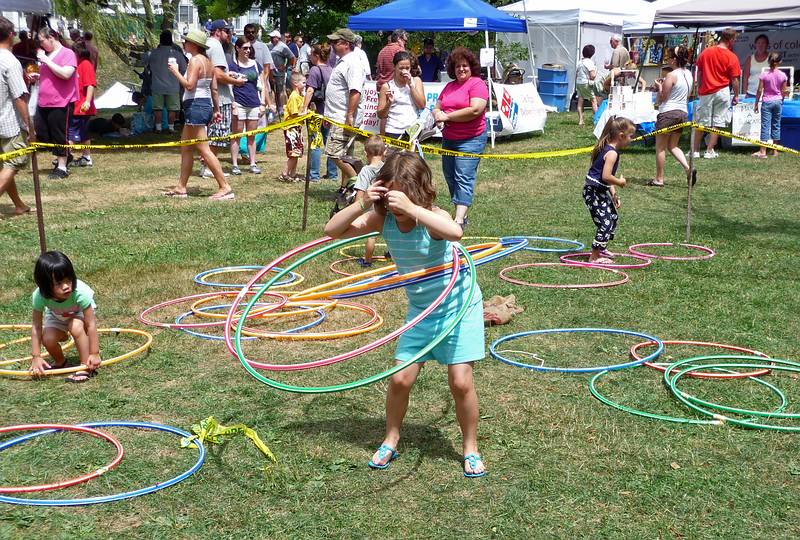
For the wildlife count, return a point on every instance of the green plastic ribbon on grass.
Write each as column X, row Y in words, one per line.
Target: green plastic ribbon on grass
column 209, row 432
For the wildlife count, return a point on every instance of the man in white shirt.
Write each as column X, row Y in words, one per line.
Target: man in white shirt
column 362, row 56
column 220, row 34
column 342, row 96
column 16, row 128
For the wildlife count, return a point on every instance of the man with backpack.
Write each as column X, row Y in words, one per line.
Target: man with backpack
column 318, row 76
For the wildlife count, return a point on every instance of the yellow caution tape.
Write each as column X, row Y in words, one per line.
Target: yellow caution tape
column 209, row 431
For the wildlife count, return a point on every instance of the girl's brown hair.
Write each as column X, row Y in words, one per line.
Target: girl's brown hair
column 613, row 128
column 407, row 172
column 774, row 59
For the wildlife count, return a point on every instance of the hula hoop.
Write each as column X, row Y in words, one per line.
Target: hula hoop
column 66, row 483
column 374, row 378
column 393, row 280
column 493, row 349
column 258, row 314
column 306, row 326
column 504, row 276
column 655, row 416
column 333, row 266
column 26, row 374
column 375, row 322
column 700, row 374
column 570, row 259
column 572, row 245
column 200, row 278
column 370, row 346
column 8, row 361
column 776, row 364
column 201, row 456
column 144, row 320
column 708, row 252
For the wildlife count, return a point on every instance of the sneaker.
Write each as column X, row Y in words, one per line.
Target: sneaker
column 157, row 131
column 710, row 154
column 236, row 171
column 58, row 174
column 695, row 155
column 84, row 161
column 254, row 169
column 69, row 161
column 205, row 172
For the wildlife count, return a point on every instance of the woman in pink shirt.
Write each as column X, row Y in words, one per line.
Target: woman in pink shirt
column 58, row 90
column 462, row 108
column 772, row 86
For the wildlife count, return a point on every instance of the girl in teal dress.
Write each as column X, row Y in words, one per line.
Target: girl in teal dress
column 418, row 234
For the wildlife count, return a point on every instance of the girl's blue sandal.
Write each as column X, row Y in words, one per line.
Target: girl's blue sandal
column 473, row 460
column 383, row 451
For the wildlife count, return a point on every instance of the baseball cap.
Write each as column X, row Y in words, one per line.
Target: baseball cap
column 275, row 33
column 220, row 24
column 343, row 33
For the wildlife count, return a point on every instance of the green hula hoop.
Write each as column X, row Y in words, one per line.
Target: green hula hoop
column 676, row 419
column 782, row 365
column 361, row 382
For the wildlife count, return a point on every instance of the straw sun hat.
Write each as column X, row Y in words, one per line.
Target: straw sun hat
column 197, row 36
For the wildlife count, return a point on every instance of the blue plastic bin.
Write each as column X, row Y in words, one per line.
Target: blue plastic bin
column 554, row 87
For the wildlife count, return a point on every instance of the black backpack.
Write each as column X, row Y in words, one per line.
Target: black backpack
column 319, row 93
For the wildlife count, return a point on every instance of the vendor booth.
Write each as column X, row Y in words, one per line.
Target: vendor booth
column 559, row 31
column 520, row 110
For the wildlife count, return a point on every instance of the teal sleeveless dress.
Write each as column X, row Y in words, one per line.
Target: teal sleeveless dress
column 415, row 250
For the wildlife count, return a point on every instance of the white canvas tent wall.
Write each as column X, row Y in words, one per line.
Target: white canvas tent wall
column 558, row 32
column 732, row 12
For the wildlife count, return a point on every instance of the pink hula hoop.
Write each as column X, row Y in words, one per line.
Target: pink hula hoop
column 350, row 354
column 569, row 259
column 503, row 275
column 707, row 253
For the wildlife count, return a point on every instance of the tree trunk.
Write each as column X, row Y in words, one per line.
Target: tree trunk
column 170, row 9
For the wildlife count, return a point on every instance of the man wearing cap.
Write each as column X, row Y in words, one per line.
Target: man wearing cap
column 262, row 54
column 619, row 54
column 220, row 34
column 342, row 96
column 429, row 62
column 397, row 43
column 283, row 59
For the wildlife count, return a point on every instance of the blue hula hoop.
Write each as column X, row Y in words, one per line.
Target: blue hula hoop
column 179, row 320
column 514, row 245
column 201, row 456
column 199, row 277
column 574, row 245
column 652, row 356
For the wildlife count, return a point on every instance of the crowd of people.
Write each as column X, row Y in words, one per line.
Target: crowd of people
column 720, row 81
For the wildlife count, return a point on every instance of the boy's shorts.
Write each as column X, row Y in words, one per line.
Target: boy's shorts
column 293, row 137
column 584, row 91
column 79, row 128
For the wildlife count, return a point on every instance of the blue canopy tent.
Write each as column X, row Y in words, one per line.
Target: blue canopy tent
column 441, row 16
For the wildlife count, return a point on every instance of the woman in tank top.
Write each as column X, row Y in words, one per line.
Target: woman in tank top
column 673, row 94
column 200, row 106
column 401, row 99
column 753, row 66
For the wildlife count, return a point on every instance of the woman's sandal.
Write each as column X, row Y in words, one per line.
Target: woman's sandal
column 473, row 460
column 653, row 182
column 229, row 196
column 175, row 194
column 383, row 451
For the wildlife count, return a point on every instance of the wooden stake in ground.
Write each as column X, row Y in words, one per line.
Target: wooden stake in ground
column 308, row 177
column 37, row 193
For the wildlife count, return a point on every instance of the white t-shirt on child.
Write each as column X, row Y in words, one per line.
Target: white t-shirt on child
column 366, row 176
column 585, row 67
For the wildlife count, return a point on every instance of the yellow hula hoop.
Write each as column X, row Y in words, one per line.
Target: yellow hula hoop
column 314, row 293
column 64, row 347
column 345, row 251
column 259, row 313
column 378, row 322
column 26, row 374
column 300, row 277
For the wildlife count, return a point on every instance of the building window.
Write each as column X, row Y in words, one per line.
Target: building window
column 185, row 14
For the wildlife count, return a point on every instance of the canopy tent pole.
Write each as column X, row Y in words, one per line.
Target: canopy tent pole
column 531, row 61
column 491, row 90
column 692, row 137
column 641, row 60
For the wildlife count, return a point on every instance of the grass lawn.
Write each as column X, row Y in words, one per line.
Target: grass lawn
column 561, row 463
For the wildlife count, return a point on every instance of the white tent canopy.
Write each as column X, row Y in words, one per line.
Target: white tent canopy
column 732, row 12
column 558, row 31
